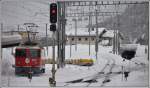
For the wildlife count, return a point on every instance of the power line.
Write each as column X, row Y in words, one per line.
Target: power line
column 91, row 14
column 93, row 3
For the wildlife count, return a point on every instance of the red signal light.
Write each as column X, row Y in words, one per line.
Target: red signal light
column 53, row 11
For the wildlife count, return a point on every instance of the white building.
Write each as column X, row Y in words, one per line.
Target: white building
column 84, row 37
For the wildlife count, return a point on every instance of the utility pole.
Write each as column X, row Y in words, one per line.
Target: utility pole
column 1, row 28
column 58, row 35
column 18, row 28
column 46, row 40
column 75, row 20
column 70, row 47
column 52, row 79
column 1, row 53
column 75, row 26
column 89, row 29
column 114, row 37
column 96, row 44
column 118, row 44
column 53, row 67
column 117, row 29
column 63, row 36
column 28, row 32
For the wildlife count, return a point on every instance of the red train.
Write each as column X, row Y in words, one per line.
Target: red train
column 29, row 59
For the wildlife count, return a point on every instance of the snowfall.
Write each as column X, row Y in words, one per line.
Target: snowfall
column 83, row 76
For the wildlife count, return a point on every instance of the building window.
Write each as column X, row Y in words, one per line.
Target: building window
column 72, row 39
column 79, row 39
column 86, row 39
column 92, row 39
column 92, row 29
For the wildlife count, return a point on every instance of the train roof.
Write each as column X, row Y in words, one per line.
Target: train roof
column 31, row 47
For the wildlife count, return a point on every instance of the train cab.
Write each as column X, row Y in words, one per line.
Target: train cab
column 29, row 59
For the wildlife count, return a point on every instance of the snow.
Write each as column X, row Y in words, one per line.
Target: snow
column 84, row 32
column 134, row 79
column 137, row 77
column 37, row 11
column 129, row 46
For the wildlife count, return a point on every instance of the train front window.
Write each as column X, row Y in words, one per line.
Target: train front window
column 20, row 53
column 34, row 53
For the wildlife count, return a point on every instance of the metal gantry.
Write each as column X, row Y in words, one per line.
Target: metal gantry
column 91, row 14
column 93, row 3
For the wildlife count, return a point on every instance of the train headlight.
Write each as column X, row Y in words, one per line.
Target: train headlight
column 27, row 60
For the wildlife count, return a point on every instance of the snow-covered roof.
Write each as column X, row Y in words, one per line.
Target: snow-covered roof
column 84, row 32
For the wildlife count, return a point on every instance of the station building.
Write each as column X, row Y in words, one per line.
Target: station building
column 85, row 37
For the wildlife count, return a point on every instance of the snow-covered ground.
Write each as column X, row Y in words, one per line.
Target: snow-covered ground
column 100, row 71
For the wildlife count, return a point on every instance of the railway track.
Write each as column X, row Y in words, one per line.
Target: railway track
column 105, row 72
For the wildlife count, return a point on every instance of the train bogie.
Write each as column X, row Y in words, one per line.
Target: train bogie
column 26, row 70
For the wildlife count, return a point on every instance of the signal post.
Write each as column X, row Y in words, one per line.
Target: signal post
column 61, row 38
column 53, row 20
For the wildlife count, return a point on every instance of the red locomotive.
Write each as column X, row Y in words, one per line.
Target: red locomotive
column 29, row 59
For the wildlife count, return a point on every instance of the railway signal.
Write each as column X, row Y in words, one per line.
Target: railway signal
column 53, row 12
column 53, row 20
column 53, row 27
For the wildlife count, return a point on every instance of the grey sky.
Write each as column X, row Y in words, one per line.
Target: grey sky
column 16, row 12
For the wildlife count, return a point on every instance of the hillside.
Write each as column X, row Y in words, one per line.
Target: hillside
column 133, row 22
